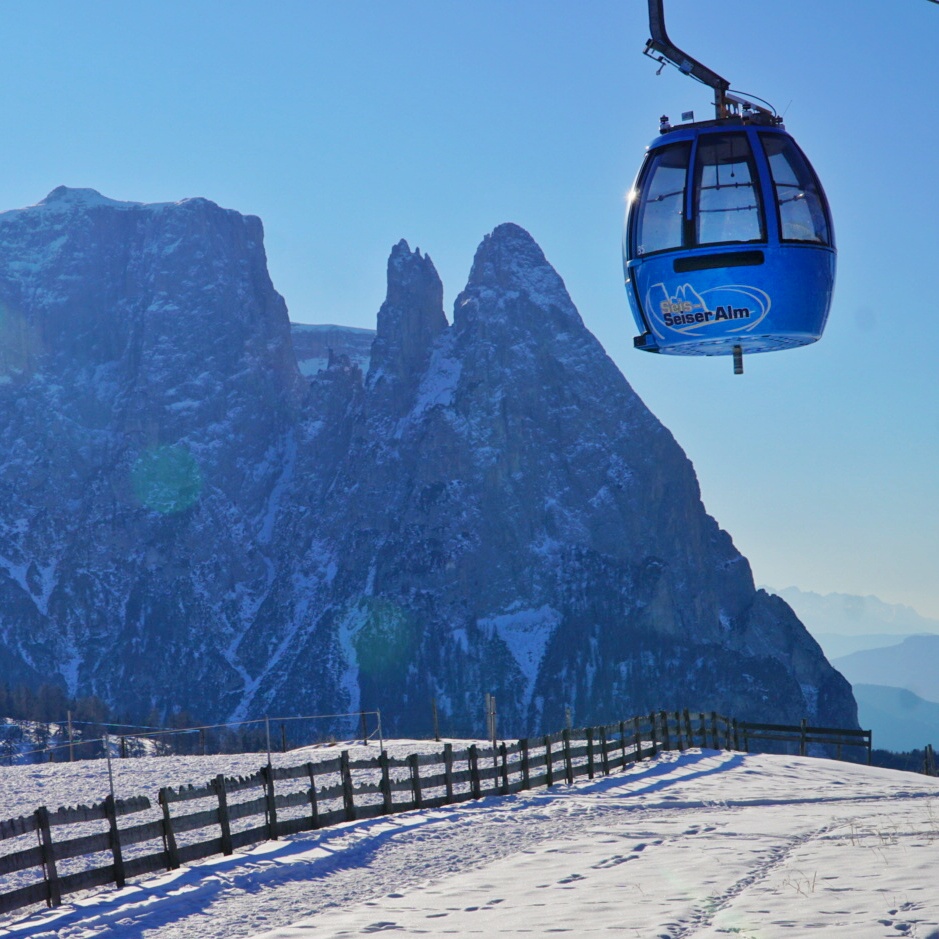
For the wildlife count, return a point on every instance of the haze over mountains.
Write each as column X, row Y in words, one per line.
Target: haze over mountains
column 843, row 623
column 188, row 522
column 912, row 664
column 889, row 653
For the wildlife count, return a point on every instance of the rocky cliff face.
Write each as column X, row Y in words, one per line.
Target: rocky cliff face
column 186, row 522
column 147, row 402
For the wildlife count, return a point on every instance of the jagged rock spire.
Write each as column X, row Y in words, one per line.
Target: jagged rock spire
column 495, row 510
column 409, row 321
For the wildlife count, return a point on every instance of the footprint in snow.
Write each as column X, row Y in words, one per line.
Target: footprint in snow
column 614, row 861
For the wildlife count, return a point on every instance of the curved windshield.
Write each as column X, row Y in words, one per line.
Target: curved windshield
column 802, row 213
column 660, row 215
column 727, row 207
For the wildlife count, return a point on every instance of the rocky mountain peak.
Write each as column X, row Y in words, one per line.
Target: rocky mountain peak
column 63, row 194
column 186, row 523
column 409, row 321
column 509, row 263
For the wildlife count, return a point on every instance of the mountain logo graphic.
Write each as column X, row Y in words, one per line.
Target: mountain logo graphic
column 731, row 308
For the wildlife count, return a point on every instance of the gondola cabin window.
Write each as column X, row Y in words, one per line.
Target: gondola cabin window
column 660, row 223
column 727, row 207
column 802, row 215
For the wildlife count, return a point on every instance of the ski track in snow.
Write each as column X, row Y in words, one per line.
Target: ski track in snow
column 698, row 845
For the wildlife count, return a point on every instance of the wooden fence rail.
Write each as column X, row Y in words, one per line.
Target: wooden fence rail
column 286, row 801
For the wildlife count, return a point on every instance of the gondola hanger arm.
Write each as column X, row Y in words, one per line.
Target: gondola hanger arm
column 662, row 49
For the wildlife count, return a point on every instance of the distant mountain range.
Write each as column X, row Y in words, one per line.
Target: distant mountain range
column 912, row 664
column 843, row 623
column 900, row 720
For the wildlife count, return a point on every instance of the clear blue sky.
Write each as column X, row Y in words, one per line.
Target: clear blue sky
column 348, row 125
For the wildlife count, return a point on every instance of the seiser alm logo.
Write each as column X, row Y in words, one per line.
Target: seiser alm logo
column 732, row 308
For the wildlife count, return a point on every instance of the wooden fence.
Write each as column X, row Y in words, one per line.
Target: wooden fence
column 929, row 761
column 232, row 813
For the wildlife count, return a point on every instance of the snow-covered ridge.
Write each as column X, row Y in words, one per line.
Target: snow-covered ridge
column 320, row 328
column 67, row 199
column 313, row 344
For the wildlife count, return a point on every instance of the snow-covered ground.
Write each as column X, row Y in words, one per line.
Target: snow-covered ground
column 701, row 844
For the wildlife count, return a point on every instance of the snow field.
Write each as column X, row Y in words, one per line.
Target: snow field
column 703, row 844
column 86, row 782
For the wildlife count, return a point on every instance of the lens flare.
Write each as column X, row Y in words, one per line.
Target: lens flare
column 166, row 479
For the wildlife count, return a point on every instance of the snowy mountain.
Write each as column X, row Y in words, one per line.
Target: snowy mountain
column 188, row 522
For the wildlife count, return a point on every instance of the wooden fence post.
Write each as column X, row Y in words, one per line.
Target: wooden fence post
column 526, row 777
column 604, row 756
column 930, row 759
column 568, row 763
column 504, row 757
column 702, row 730
column 689, row 736
column 637, row 739
column 415, row 780
column 53, row 894
column 224, row 821
column 110, row 812
column 728, row 742
column 652, row 735
column 715, row 741
column 474, row 771
column 169, row 838
column 622, row 742
column 589, row 733
column 314, row 808
column 448, row 769
column 348, row 794
column 666, row 739
column 385, row 784
column 270, row 806
column 549, row 769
